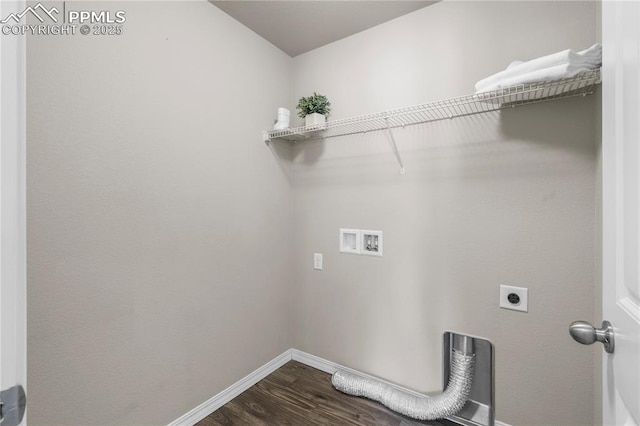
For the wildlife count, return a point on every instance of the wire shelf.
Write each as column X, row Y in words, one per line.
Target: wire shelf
column 522, row 94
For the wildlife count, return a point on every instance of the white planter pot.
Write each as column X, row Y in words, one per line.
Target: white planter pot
column 315, row 120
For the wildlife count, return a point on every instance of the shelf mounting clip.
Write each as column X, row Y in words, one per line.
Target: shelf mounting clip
column 265, row 137
column 394, row 146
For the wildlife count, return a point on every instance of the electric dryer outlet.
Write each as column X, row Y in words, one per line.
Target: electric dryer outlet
column 514, row 298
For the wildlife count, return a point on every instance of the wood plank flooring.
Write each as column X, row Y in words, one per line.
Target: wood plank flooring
column 297, row 394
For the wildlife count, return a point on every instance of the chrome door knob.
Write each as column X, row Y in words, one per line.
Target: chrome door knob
column 585, row 333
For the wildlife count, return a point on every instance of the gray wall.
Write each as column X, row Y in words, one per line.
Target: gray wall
column 501, row 198
column 158, row 256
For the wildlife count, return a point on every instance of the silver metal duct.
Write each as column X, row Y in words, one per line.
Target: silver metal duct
column 425, row 407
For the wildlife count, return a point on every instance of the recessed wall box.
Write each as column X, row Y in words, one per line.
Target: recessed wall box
column 350, row 241
column 371, row 243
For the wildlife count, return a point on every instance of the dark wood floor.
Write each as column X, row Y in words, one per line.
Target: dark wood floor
column 297, row 394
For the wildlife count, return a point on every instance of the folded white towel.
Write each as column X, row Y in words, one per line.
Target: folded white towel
column 514, row 64
column 588, row 59
column 547, row 74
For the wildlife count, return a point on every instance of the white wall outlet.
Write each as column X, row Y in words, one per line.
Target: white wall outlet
column 317, row 261
column 371, row 243
column 515, row 298
column 350, row 241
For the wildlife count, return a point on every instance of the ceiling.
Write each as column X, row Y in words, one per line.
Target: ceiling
column 297, row 27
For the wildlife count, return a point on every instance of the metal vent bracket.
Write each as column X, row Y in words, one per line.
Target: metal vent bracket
column 479, row 409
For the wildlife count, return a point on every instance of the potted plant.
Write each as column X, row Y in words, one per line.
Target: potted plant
column 314, row 109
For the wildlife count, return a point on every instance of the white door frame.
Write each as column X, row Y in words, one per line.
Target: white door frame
column 620, row 204
column 13, row 321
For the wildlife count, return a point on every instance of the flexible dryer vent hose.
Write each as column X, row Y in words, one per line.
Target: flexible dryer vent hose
column 446, row 404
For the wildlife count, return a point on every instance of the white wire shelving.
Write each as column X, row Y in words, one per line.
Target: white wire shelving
column 478, row 103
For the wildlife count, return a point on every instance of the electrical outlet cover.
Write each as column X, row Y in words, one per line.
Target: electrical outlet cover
column 514, row 298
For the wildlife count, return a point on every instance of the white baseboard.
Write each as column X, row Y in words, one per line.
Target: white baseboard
column 217, row 401
column 315, row 361
column 331, row 367
column 208, row 407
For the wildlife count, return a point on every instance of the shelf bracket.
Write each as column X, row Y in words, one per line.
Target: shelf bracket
column 394, row 146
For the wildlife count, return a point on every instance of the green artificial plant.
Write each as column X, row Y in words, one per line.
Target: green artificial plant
column 315, row 103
